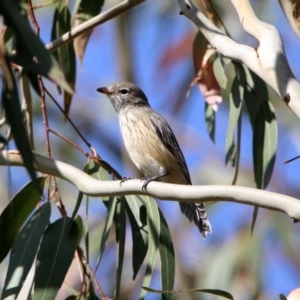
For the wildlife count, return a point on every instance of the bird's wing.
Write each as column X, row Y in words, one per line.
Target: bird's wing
column 168, row 138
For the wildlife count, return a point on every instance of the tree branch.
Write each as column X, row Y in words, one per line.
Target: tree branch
column 93, row 22
column 90, row 186
column 268, row 61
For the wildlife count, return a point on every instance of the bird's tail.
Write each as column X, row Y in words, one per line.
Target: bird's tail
column 196, row 212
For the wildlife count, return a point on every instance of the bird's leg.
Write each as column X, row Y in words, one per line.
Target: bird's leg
column 149, row 179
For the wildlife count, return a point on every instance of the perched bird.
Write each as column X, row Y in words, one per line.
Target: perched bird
column 152, row 145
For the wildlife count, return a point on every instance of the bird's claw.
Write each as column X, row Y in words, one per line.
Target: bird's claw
column 124, row 179
column 147, row 181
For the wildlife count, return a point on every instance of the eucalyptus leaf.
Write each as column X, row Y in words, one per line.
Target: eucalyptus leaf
column 24, row 251
column 121, row 245
column 65, row 54
column 208, row 291
column 139, row 233
column 167, row 257
column 210, row 121
column 265, row 138
column 153, row 227
column 30, row 42
column 16, row 212
column 54, row 257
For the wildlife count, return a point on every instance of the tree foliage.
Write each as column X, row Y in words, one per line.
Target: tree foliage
column 45, row 240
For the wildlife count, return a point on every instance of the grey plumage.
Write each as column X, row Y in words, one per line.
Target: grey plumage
column 152, row 145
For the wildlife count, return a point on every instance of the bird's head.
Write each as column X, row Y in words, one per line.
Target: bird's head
column 124, row 95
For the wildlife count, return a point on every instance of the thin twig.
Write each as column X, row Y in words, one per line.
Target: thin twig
column 103, row 17
column 68, row 118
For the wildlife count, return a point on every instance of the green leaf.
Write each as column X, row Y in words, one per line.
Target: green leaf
column 54, row 257
column 254, row 218
column 79, row 223
column 257, row 85
column 86, row 170
column 30, row 43
column 210, row 121
column 16, row 213
column 109, row 219
column 14, row 117
column 199, row 49
column 238, row 150
column 65, row 54
column 121, row 248
column 264, row 144
column 24, row 251
column 208, row 291
column 139, row 235
column 98, row 173
column 255, row 92
column 118, row 218
column 153, row 227
column 235, row 107
column 219, row 71
column 167, row 257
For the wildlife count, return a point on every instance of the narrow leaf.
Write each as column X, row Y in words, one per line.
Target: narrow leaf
column 264, row 148
column 167, row 257
column 54, row 257
column 24, row 251
column 14, row 117
column 210, row 121
column 219, row 71
column 238, row 150
column 79, row 223
column 139, row 234
column 235, row 106
column 199, row 49
column 121, row 246
column 153, row 226
column 98, row 173
column 86, row 170
column 13, row 18
column 109, row 219
column 16, row 213
column 208, row 291
column 264, row 144
column 254, row 218
column 65, row 54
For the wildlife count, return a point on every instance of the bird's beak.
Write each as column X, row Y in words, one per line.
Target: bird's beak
column 104, row 90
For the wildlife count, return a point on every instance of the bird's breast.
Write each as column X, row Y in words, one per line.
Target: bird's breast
column 143, row 144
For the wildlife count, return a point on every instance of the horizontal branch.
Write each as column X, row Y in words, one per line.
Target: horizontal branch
column 268, row 61
column 204, row 193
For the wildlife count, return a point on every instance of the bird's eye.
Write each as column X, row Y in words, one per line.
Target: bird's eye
column 124, row 91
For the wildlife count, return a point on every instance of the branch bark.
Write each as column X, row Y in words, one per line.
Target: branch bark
column 269, row 60
column 205, row 193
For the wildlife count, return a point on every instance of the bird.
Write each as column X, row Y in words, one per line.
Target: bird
column 152, row 145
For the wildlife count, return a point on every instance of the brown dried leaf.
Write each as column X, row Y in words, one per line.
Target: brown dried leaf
column 80, row 42
column 207, row 82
